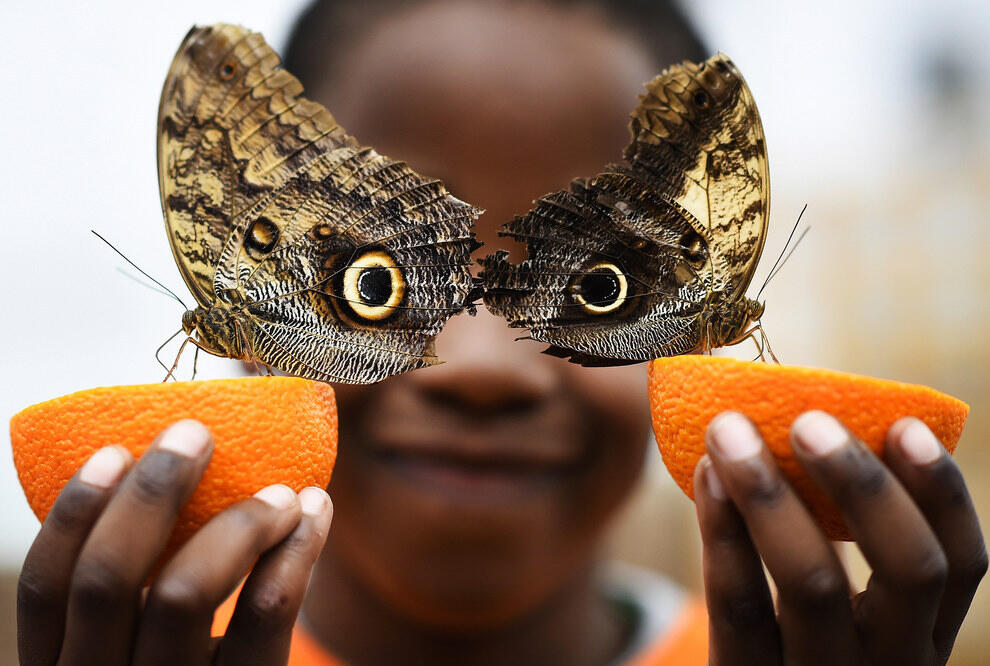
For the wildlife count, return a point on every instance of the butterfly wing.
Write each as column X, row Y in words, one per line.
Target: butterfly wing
column 621, row 265
column 698, row 137
column 268, row 203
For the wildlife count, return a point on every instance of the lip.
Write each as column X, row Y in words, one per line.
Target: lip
column 486, row 463
column 473, row 483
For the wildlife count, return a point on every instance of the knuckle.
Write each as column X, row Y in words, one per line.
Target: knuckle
column 270, row 606
column 156, row 476
column 744, row 610
column 298, row 542
column 73, row 509
column 864, row 477
column 868, row 482
column 727, row 533
column 762, row 485
column 97, row 586
column 950, row 485
column 243, row 518
column 934, row 569
column 178, row 595
column 34, row 591
column 819, row 589
column 928, row 573
column 972, row 572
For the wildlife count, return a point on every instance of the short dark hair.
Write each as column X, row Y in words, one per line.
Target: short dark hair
column 660, row 26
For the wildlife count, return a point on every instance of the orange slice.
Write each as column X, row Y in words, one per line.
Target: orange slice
column 687, row 392
column 266, row 430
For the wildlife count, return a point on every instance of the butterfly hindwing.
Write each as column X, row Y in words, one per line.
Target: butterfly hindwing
column 651, row 257
column 337, row 263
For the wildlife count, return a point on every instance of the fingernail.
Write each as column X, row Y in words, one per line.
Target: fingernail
column 187, row 438
column 104, row 468
column 314, row 501
column 714, row 484
column 819, row 433
column 919, row 444
column 734, row 437
column 278, row 496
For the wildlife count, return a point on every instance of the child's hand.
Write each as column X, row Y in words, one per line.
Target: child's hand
column 80, row 596
column 913, row 521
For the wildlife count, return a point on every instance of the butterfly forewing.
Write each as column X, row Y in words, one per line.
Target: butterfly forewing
column 643, row 260
column 329, row 260
column 698, row 138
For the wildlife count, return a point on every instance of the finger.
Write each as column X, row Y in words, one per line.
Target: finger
column 125, row 543
column 43, row 585
column 175, row 624
column 742, row 625
column 815, row 617
column 909, row 568
column 935, row 483
column 261, row 628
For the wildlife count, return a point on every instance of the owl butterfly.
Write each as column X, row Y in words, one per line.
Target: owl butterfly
column 305, row 251
column 653, row 256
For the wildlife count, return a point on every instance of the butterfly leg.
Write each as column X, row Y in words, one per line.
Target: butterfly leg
column 260, row 368
column 162, row 346
column 762, row 343
column 766, row 341
column 171, row 371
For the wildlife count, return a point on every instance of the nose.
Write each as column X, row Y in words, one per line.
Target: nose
column 486, row 373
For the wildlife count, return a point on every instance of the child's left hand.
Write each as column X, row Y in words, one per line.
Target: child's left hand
column 912, row 518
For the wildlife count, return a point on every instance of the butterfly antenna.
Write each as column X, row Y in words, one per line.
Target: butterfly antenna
column 782, row 259
column 138, row 269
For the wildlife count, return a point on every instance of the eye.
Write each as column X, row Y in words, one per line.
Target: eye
column 373, row 285
column 601, row 289
column 701, row 99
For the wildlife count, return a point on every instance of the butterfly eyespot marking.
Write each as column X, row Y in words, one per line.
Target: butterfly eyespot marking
column 373, row 286
column 323, row 232
column 693, row 247
column 601, row 288
column 261, row 237
column 227, row 70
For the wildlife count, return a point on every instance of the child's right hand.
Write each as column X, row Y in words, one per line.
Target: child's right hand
column 79, row 597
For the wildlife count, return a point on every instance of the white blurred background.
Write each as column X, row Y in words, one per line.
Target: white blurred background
column 876, row 116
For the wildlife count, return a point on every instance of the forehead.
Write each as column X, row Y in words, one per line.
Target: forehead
column 505, row 102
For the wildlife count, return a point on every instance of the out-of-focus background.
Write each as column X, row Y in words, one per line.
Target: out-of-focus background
column 876, row 116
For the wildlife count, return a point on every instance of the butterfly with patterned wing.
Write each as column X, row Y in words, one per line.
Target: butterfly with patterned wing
column 651, row 257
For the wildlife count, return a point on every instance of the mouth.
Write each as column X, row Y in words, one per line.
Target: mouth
column 487, row 467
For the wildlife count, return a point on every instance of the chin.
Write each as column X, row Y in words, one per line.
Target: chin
column 455, row 555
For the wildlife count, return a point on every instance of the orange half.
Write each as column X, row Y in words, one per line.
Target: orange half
column 687, row 392
column 266, row 430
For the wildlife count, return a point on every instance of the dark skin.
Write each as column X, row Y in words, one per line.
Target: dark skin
column 471, row 497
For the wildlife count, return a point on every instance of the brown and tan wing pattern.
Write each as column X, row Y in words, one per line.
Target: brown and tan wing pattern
column 634, row 263
column 336, row 262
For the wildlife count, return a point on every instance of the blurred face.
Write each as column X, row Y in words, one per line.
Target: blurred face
column 467, row 493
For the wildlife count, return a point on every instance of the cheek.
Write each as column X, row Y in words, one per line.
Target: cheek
column 618, row 394
column 616, row 417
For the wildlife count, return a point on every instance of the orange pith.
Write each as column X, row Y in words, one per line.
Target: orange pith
column 266, row 430
column 687, row 392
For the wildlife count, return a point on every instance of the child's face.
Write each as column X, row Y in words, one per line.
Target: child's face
column 465, row 492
